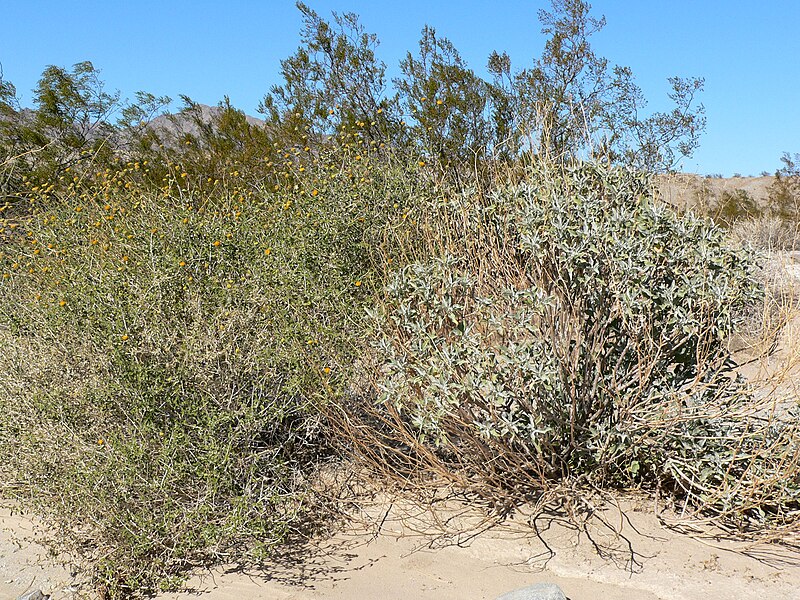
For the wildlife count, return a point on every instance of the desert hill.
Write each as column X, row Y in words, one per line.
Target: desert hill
column 690, row 190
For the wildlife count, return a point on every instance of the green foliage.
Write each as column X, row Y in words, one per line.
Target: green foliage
column 784, row 193
column 734, row 206
column 71, row 119
column 9, row 110
column 568, row 89
column 214, row 143
column 166, row 357
column 658, row 142
column 9, row 104
column 568, row 105
column 136, row 138
column 70, row 128
column 181, row 301
column 73, row 108
column 447, row 101
column 334, row 81
column 575, row 103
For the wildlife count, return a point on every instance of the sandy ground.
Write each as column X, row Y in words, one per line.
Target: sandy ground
column 644, row 561
column 26, row 564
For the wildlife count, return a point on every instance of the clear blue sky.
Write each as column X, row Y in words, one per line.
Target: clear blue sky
column 748, row 52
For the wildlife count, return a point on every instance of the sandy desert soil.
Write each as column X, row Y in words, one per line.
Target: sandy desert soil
column 645, row 561
column 25, row 563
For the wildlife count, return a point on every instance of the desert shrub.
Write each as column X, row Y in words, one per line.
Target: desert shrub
column 784, row 193
column 734, row 206
column 604, row 363
column 166, row 354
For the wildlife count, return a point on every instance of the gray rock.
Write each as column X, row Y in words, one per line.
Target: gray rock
column 33, row 595
column 537, row 591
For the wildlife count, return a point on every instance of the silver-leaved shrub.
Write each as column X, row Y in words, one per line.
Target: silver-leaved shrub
column 603, row 361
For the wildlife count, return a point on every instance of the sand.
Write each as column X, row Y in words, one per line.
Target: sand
column 397, row 562
column 25, row 563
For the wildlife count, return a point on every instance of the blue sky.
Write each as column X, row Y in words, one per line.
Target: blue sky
column 747, row 51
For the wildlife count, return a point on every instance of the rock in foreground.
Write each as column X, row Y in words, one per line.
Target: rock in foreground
column 537, row 591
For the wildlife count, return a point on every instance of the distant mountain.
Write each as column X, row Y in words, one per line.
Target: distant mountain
column 185, row 123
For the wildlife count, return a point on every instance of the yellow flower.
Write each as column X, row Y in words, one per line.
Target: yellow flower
column 62, row 303
column 182, row 263
column 217, row 243
column 124, row 337
column 358, row 283
column 314, row 192
column 326, row 370
column 267, row 251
